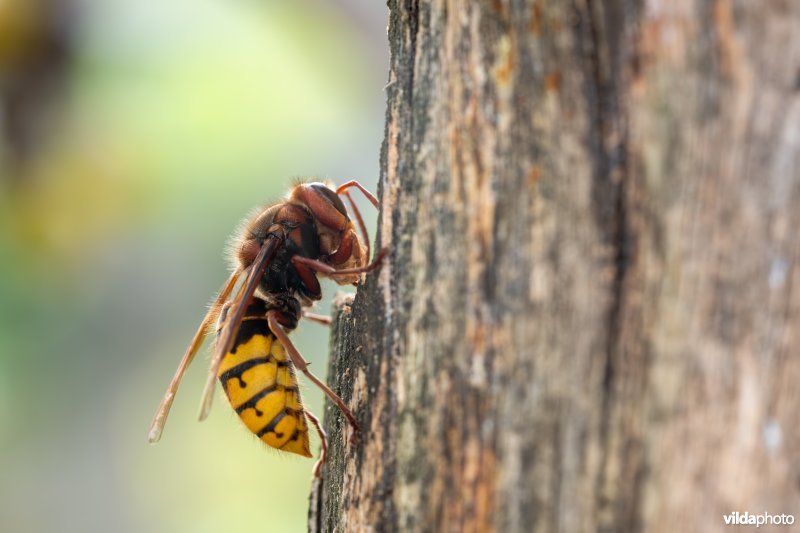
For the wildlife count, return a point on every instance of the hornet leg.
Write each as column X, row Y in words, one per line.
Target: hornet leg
column 302, row 365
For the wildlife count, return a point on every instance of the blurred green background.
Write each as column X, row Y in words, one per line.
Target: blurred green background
column 136, row 135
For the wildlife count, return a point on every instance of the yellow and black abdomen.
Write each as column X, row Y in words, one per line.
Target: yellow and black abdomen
column 258, row 378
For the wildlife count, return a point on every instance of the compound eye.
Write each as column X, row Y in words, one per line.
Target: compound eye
column 330, row 196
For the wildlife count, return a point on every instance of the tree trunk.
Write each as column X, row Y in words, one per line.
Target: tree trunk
column 585, row 319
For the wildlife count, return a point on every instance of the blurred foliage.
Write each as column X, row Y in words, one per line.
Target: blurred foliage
column 171, row 121
column 35, row 48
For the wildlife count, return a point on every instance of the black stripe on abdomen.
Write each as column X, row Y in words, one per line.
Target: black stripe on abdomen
column 236, row 372
column 251, row 403
column 249, row 328
column 275, row 421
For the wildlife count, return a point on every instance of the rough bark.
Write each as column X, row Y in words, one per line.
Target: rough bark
column 585, row 320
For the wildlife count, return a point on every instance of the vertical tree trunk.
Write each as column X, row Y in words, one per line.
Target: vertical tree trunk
column 585, row 321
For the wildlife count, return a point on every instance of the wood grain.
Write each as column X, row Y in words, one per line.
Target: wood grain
column 586, row 319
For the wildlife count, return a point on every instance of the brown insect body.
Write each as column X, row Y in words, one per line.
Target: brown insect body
column 281, row 251
column 315, row 225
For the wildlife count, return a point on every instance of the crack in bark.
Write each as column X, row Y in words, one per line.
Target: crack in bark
column 612, row 212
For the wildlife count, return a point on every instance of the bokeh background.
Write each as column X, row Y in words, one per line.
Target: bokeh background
column 136, row 134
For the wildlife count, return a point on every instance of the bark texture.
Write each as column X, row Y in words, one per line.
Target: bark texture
column 586, row 319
